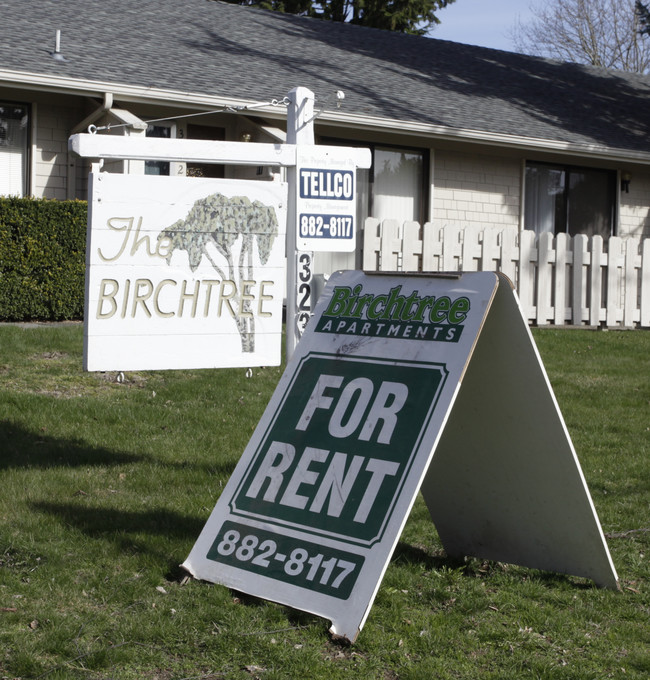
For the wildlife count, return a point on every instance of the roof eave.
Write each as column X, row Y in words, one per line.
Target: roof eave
column 140, row 94
column 440, row 132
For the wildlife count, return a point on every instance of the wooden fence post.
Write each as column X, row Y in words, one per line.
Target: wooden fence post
column 644, row 312
column 560, row 278
column 371, row 244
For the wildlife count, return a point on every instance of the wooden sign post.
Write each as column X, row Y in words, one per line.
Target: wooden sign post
column 401, row 383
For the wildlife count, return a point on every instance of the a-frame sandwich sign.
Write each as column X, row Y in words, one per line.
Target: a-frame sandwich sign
column 402, row 383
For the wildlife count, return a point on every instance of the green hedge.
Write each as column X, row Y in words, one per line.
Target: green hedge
column 42, row 259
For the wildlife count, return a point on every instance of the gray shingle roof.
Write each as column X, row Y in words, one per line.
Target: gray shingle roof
column 218, row 49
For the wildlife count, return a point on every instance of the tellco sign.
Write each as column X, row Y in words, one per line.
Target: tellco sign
column 184, row 273
column 316, row 505
column 325, row 199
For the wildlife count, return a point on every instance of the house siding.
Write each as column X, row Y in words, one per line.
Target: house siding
column 476, row 190
column 467, row 189
column 50, row 176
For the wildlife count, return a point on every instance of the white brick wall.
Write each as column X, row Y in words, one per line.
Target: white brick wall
column 476, row 190
column 634, row 218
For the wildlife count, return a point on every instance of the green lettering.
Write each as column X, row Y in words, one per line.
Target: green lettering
column 338, row 302
column 423, row 304
column 412, row 299
column 394, row 305
column 378, row 301
column 459, row 310
column 440, row 309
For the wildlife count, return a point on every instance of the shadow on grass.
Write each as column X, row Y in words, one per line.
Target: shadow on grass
column 478, row 568
column 121, row 525
column 409, row 554
column 22, row 448
column 132, row 532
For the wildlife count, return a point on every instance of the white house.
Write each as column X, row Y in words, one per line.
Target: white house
column 460, row 135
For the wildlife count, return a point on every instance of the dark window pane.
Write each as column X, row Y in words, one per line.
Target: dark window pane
column 565, row 199
column 157, row 167
column 590, row 203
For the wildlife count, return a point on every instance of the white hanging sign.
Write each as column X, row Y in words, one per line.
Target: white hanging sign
column 183, row 273
column 326, row 199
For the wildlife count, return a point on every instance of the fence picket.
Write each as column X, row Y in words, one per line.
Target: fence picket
column 580, row 272
column 545, row 261
column 371, row 244
column 527, row 273
column 510, row 255
column 451, row 249
column 490, row 253
column 559, row 279
column 411, row 247
column 431, row 248
column 615, row 268
column 596, row 280
column 559, row 274
column 631, row 282
column 644, row 304
column 471, row 249
column 391, row 246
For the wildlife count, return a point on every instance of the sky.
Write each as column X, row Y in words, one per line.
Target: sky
column 481, row 22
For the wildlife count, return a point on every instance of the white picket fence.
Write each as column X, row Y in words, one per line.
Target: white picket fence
column 559, row 279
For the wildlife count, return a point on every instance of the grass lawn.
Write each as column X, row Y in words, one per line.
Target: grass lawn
column 106, row 484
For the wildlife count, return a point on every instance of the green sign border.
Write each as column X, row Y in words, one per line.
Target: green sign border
column 435, row 366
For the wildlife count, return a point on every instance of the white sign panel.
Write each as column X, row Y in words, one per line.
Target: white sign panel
column 183, row 273
column 326, row 199
column 316, row 505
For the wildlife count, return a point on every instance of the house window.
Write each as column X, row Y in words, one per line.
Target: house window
column 161, row 132
column 571, row 200
column 14, row 140
column 397, row 184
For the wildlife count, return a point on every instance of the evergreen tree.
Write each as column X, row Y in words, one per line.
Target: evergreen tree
column 404, row 16
column 643, row 12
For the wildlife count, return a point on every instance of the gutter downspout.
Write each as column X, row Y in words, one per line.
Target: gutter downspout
column 71, row 161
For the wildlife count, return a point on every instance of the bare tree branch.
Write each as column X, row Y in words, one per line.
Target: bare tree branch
column 604, row 33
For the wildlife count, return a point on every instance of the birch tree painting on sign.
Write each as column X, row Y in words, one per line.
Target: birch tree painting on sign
column 219, row 221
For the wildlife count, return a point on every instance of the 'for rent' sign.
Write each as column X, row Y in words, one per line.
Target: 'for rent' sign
column 331, row 466
column 316, row 505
